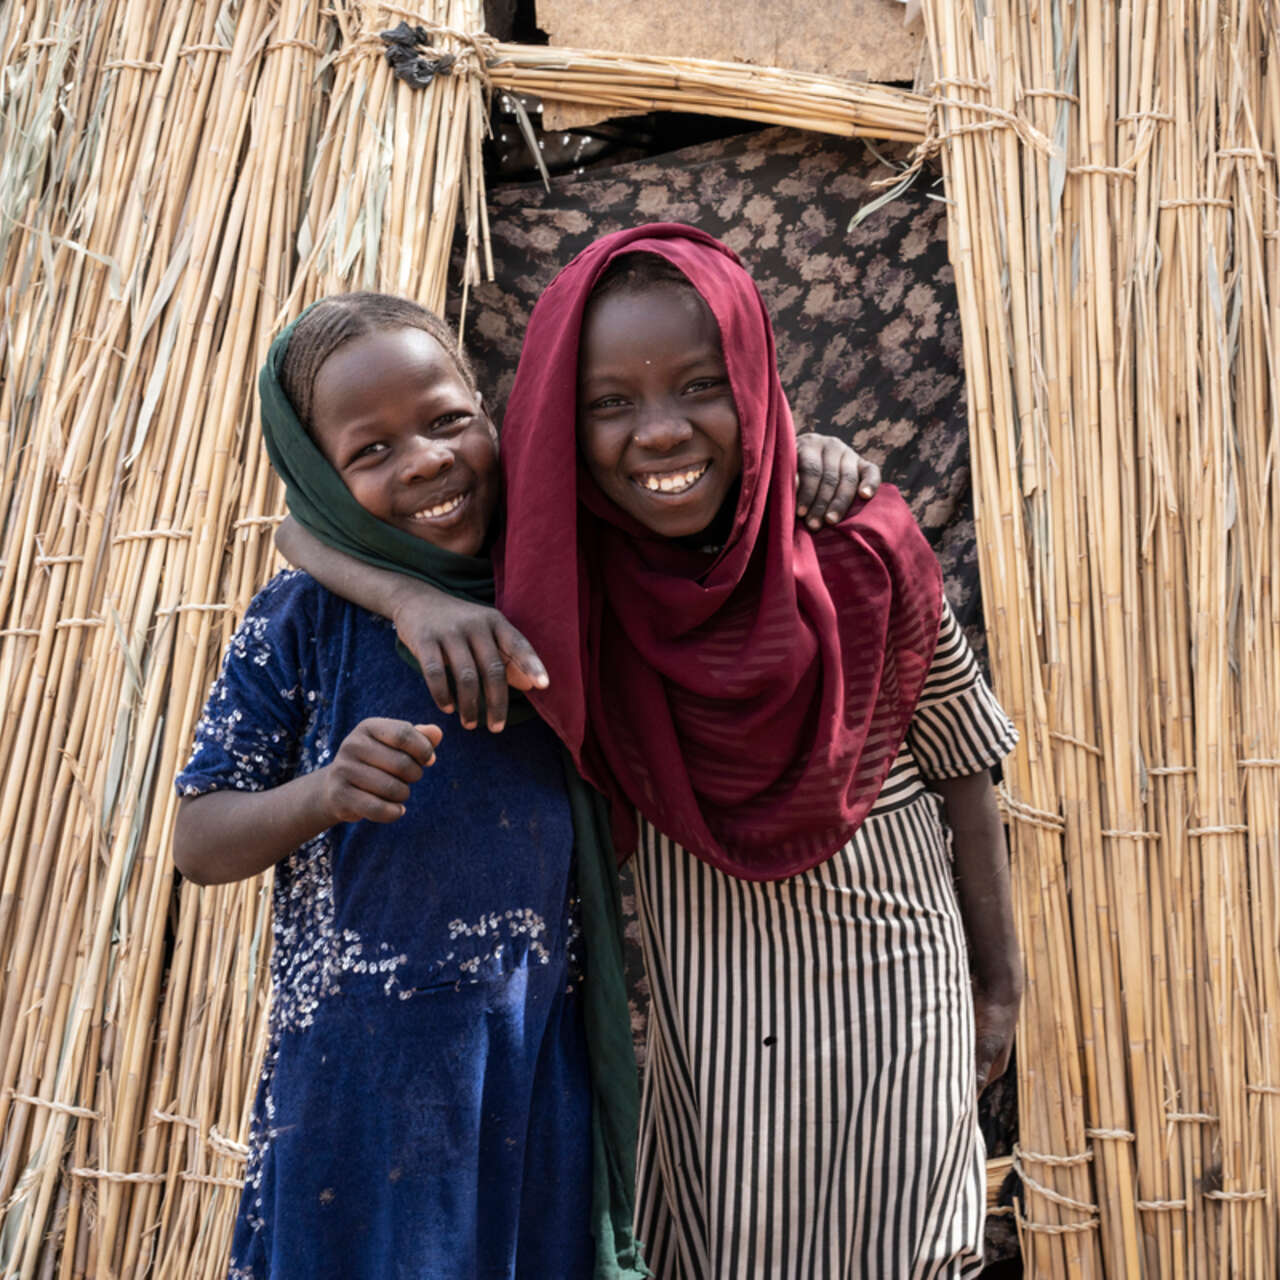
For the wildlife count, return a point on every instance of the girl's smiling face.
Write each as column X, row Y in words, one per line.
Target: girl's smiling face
column 395, row 419
column 657, row 424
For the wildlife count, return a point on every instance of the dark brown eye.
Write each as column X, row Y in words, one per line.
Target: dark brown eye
column 449, row 420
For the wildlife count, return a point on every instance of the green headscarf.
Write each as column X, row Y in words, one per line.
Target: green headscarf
column 320, row 502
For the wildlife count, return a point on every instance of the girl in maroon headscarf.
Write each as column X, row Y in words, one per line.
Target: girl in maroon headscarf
column 763, row 705
column 769, row 701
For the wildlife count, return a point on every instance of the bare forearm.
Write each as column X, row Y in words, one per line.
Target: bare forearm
column 445, row 633
column 231, row 835
column 982, row 882
column 377, row 590
column 986, row 908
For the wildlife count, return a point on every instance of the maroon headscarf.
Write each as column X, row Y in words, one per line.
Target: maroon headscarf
column 749, row 704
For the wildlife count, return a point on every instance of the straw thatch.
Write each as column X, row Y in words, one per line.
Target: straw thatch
column 176, row 179
column 1119, row 300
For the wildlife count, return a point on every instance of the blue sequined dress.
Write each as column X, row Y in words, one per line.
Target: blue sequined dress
column 424, row 1107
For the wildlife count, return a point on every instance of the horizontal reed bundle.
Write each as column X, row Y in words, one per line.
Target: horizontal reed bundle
column 1119, row 300
column 768, row 95
column 624, row 83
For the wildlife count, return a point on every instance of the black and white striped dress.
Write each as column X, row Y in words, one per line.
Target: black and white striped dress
column 809, row 1108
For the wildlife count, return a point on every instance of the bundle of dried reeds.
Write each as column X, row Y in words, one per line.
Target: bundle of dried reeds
column 176, row 180
column 1119, row 301
column 765, row 94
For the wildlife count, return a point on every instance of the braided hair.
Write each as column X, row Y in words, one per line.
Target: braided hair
column 336, row 320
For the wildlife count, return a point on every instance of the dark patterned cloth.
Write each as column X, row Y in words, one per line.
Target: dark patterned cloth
column 867, row 330
column 868, row 336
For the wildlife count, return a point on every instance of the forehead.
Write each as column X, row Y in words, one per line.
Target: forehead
column 384, row 359
column 634, row 323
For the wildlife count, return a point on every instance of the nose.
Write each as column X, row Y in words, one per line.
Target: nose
column 424, row 459
column 662, row 427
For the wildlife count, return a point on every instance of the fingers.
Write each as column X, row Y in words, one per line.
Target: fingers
column 478, row 670
column 994, row 1023
column 868, row 477
column 827, row 479
column 359, row 805
column 431, row 660
column 846, row 490
column 832, row 456
column 376, row 765
column 808, row 471
column 982, row 1069
column 1001, row 1063
column 470, row 655
column 373, row 793
column 399, row 738
column 524, row 667
column 829, row 475
column 466, row 678
column 488, row 660
column 492, row 669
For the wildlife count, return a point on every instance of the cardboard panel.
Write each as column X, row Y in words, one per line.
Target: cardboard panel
column 858, row 39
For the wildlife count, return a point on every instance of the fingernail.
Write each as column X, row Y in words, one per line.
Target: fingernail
column 815, row 523
column 865, row 491
column 498, row 726
column 541, row 681
column 802, row 511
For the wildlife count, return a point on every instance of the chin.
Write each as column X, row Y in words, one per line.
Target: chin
column 677, row 524
column 466, row 546
column 458, row 543
column 681, row 529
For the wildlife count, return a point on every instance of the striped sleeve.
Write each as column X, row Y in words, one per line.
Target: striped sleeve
column 958, row 727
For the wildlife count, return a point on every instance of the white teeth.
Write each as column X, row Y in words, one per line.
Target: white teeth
column 434, row 513
column 676, row 483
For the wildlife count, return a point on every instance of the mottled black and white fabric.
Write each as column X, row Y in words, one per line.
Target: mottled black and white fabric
column 865, row 316
column 809, row 1107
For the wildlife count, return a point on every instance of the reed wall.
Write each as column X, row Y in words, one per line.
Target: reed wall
column 177, row 179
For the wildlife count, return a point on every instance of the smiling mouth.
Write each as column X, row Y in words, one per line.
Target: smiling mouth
column 673, row 482
column 441, row 511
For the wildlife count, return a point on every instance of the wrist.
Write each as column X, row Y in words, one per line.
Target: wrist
column 314, row 803
column 995, row 960
column 401, row 599
column 408, row 599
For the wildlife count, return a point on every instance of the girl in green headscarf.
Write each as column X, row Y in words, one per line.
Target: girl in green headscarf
column 449, row 1087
